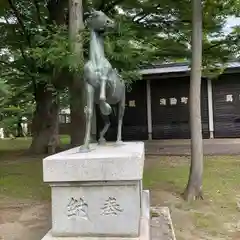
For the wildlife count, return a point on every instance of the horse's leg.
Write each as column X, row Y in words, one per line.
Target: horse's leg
column 89, row 114
column 121, row 110
column 106, row 120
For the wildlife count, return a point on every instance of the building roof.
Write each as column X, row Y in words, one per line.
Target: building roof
column 178, row 68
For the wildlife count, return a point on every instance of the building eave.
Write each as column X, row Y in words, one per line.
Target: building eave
column 181, row 67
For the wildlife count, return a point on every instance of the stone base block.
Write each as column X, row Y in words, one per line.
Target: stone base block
column 161, row 224
column 104, row 163
column 96, row 209
column 97, row 193
column 144, row 226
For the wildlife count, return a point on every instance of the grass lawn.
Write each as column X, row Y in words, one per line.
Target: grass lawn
column 20, row 144
column 216, row 217
column 21, row 175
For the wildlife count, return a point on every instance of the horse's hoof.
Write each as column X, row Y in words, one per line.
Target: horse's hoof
column 102, row 141
column 119, row 142
column 84, row 149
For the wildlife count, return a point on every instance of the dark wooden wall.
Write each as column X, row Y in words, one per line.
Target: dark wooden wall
column 226, row 105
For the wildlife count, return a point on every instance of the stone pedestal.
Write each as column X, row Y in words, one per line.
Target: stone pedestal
column 98, row 194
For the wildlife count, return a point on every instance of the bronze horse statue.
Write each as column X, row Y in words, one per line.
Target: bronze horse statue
column 104, row 85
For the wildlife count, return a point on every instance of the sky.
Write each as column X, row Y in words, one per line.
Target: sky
column 232, row 21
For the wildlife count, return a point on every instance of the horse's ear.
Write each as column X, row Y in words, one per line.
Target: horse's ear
column 87, row 15
column 93, row 12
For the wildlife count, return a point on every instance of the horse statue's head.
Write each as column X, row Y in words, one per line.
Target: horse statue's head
column 99, row 21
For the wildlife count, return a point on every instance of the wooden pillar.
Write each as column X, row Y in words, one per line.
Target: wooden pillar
column 149, row 110
column 210, row 108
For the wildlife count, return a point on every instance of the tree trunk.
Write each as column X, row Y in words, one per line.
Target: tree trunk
column 45, row 125
column 194, row 186
column 45, row 122
column 76, row 86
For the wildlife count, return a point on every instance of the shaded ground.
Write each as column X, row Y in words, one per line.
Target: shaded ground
column 25, row 200
column 181, row 147
column 23, row 219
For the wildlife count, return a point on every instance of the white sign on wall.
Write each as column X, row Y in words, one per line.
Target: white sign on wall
column 229, row 98
column 163, row 101
column 184, row 100
column 173, row 101
column 132, row 103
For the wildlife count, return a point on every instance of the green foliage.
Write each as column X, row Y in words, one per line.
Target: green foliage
column 233, row 41
column 172, row 23
column 3, row 89
column 52, row 47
